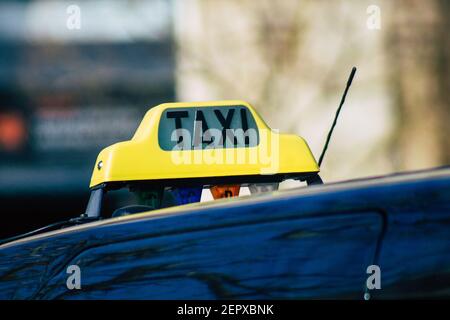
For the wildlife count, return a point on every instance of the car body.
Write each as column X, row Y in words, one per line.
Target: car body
column 313, row 242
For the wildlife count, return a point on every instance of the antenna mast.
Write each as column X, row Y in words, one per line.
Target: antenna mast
column 325, row 147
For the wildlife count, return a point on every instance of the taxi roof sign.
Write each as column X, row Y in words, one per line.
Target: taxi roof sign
column 212, row 142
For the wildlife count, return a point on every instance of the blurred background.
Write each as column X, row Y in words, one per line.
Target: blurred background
column 76, row 76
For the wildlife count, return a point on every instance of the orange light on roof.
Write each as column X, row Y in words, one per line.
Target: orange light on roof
column 225, row 191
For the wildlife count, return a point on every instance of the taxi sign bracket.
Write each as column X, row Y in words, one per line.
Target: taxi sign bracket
column 309, row 177
column 314, row 179
column 94, row 207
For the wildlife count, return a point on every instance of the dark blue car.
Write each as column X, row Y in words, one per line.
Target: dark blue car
column 316, row 242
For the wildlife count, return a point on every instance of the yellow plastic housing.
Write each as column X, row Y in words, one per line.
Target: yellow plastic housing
column 141, row 158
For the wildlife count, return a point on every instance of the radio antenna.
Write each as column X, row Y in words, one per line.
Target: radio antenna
column 349, row 83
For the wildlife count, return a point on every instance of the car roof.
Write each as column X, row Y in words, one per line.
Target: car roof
column 316, row 190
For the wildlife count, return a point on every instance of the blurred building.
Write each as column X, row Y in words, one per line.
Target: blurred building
column 291, row 60
column 65, row 93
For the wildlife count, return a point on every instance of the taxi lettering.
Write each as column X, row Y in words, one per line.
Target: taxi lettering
column 207, row 127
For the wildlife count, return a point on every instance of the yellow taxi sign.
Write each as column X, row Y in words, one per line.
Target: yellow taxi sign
column 203, row 141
